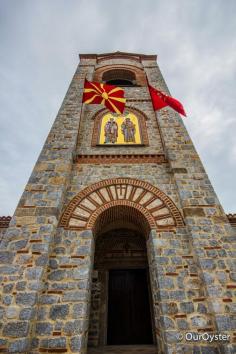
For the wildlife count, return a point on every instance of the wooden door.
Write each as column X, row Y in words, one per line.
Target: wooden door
column 129, row 320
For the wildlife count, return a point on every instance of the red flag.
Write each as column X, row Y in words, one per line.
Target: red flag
column 160, row 100
column 110, row 96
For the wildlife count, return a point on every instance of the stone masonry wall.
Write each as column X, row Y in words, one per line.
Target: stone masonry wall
column 210, row 234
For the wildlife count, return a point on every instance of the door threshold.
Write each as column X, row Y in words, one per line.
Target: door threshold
column 124, row 349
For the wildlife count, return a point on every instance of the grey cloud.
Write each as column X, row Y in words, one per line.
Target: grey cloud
column 40, row 41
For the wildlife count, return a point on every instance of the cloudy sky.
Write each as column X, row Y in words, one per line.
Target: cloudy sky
column 40, row 41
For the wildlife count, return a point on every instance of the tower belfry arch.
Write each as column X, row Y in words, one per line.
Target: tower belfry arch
column 118, row 215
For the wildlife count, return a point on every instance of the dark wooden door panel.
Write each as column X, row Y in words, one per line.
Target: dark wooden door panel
column 129, row 320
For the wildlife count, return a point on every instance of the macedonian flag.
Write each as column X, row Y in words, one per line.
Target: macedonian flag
column 110, row 96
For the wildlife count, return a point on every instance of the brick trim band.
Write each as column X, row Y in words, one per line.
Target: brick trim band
column 4, row 221
column 128, row 158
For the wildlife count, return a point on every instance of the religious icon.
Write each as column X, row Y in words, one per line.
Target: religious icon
column 111, row 131
column 128, row 130
column 120, row 130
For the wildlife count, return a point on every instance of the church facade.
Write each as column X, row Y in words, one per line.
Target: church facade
column 119, row 240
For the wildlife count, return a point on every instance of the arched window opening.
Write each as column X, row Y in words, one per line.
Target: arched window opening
column 120, row 77
column 119, row 82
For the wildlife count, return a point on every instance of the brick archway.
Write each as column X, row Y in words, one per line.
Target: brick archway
column 137, row 72
column 157, row 208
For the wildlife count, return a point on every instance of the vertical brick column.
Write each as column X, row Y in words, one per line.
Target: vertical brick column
column 27, row 243
column 210, row 233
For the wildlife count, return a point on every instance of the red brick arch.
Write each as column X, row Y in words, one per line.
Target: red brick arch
column 139, row 73
column 158, row 209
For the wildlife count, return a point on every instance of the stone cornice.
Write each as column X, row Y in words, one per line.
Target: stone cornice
column 135, row 56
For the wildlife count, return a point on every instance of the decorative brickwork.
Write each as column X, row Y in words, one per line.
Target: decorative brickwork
column 83, row 210
column 232, row 219
column 4, row 221
column 111, row 159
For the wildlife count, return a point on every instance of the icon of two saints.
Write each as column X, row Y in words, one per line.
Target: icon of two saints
column 111, row 131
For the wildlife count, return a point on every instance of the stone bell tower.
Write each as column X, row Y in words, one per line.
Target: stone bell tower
column 119, row 240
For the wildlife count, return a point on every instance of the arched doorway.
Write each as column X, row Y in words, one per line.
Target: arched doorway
column 131, row 209
column 121, row 310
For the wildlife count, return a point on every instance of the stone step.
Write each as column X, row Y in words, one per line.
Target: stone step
column 124, row 349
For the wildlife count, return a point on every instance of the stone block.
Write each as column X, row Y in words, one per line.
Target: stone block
column 167, row 323
column 27, row 313
column 42, row 260
column 73, row 327
column 182, row 324
column 48, row 299
column 8, row 269
column 8, row 288
column 72, row 296
column 209, row 350
column 76, row 344
column 26, row 298
column 21, row 285
column 11, row 312
column 57, row 274
column 7, row 299
column 172, row 336
column 207, row 263
column 198, row 321
column 34, row 273
column 165, row 282
column 53, row 343
column 79, row 310
column 2, row 312
column 201, row 308
column 224, row 323
column 180, row 170
column 43, row 328
column 177, row 295
column 16, row 329
column 19, row 346
column 59, row 311
column 194, row 212
column 83, row 250
column 170, row 308
column 81, row 273
column 17, row 245
column 6, row 257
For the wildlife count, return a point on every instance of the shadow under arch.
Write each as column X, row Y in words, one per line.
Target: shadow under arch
column 118, row 215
